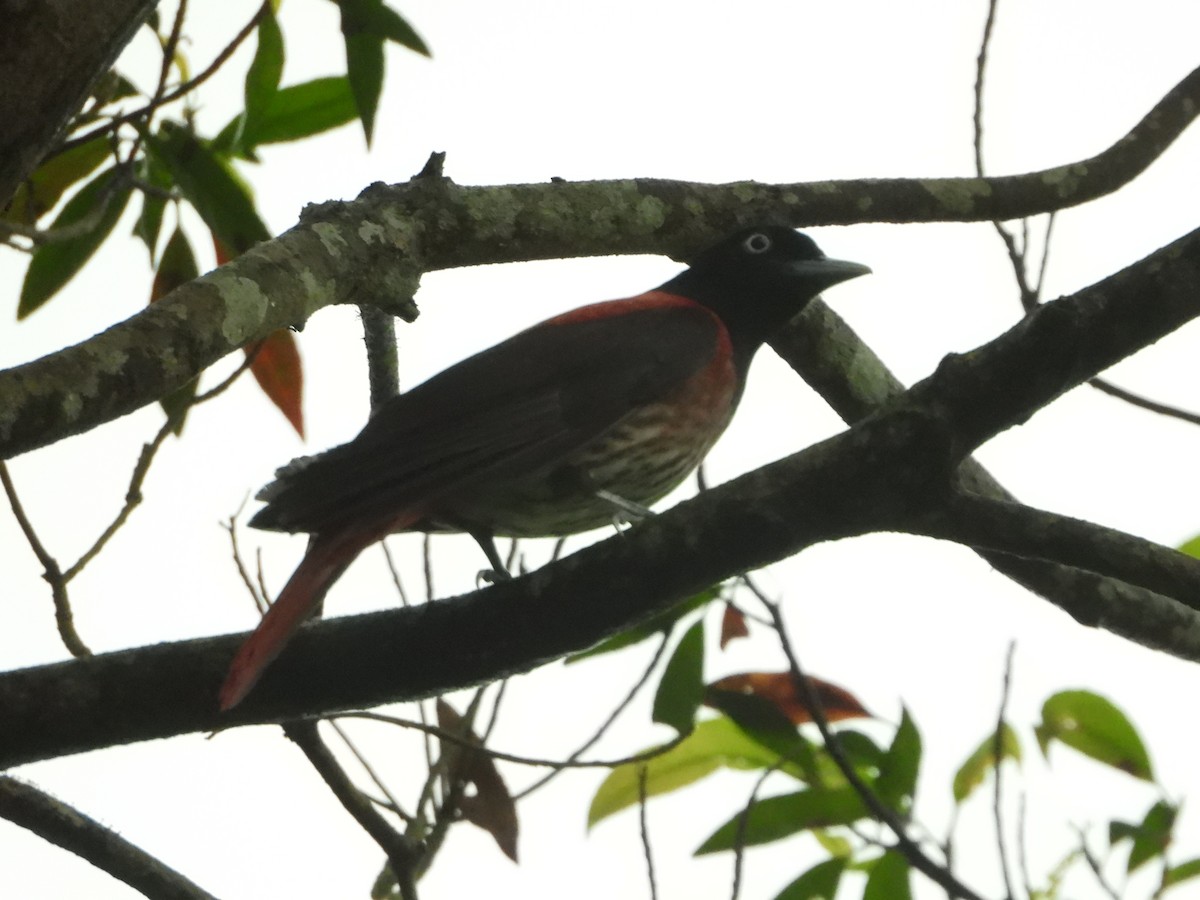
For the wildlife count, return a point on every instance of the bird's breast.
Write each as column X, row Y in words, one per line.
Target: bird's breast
column 641, row 458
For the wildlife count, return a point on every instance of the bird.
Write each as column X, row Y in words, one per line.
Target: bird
column 589, row 416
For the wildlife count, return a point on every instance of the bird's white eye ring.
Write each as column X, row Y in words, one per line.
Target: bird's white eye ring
column 757, row 243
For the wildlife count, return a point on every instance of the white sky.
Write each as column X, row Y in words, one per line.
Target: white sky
column 770, row 91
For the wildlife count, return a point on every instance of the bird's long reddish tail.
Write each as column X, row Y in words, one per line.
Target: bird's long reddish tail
column 322, row 564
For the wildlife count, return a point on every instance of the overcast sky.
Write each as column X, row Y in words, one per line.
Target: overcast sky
column 524, row 91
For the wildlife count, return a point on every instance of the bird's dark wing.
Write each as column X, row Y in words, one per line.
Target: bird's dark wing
column 506, row 411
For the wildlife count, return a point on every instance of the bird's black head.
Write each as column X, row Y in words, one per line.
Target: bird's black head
column 758, row 278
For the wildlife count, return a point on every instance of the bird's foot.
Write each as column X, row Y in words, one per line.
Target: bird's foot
column 485, row 577
column 625, row 512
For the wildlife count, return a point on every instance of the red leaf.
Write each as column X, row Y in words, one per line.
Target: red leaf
column 778, row 689
column 276, row 368
column 224, row 252
column 275, row 360
column 492, row 807
column 733, row 625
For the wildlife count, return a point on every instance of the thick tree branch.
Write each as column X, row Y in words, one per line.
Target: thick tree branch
column 51, row 819
column 374, row 249
column 68, row 44
column 835, row 362
column 1018, row 530
column 894, row 465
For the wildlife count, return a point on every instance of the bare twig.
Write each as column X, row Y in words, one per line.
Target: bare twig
column 904, row 844
column 169, row 49
column 980, row 68
column 402, row 855
column 51, row 571
column 607, row 723
column 739, row 838
column 644, row 832
column 997, row 767
column 393, row 803
column 453, row 738
column 1096, row 867
column 29, row 808
column 187, row 87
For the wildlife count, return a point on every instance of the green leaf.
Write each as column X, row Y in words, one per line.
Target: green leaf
column 154, row 203
column 101, row 202
column 377, row 18
column 364, row 68
column 42, row 190
column 682, row 686
column 208, row 181
column 657, row 624
column 898, row 771
column 300, row 111
column 715, row 743
column 177, row 266
column 818, row 883
column 889, row 879
column 1181, row 873
column 265, row 71
column 1095, row 727
column 774, row 818
column 1150, row 838
column 765, row 724
column 971, row 773
column 1191, row 547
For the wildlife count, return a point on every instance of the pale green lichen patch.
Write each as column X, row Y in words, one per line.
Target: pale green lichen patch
column 331, row 238
column 957, row 195
column 493, row 210
column 318, row 292
column 746, row 191
column 244, row 303
column 825, row 187
column 72, row 405
column 1065, row 180
column 370, row 233
column 650, row 214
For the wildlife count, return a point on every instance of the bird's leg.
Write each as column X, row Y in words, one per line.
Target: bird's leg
column 624, row 510
column 487, row 543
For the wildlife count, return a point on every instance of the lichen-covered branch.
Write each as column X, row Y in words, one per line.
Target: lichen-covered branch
column 374, row 249
column 884, row 473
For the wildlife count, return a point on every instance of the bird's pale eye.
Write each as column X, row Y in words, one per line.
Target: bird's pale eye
column 757, row 243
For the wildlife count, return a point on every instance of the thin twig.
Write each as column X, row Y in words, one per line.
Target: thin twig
column 1107, row 387
column 453, row 738
column 997, row 768
column 133, row 494
column 180, row 91
column 170, row 47
column 63, row 616
column 980, row 69
column 606, row 724
column 403, row 856
column 739, row 837
column 644, row 831
column 395, row 572
column 393, row 803
column 1094, row 865
column 906, row 845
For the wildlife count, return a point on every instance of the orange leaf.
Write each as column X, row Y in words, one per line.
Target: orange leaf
column 492, row 807
column 733, row 625
column 224, row 252
column 275, row 364
column 778, row 689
